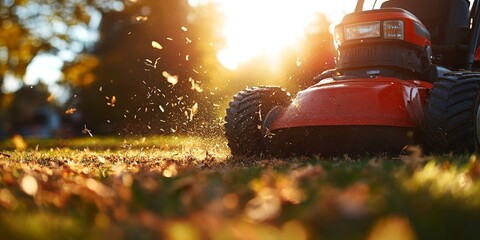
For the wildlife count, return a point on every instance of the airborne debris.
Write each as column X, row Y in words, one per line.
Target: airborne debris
column 195, row 85
column 298, row 62
column 141, row 18
column 193, row 111
column 19, row 142
column 195, row 108
column 184, row 29
column 86, row 130
column 156, row 45
column 170, row 78
column 156, row 62
column 70, row 111
column 112, row 102
column 150, row 63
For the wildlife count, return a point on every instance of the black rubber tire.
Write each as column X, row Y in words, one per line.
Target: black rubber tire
column 245, row 116
column 450, row 115
column 476, row 128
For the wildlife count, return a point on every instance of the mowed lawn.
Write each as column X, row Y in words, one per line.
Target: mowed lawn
column 191, row 188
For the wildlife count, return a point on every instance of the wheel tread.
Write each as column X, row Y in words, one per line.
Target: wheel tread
column 244, row 115
column 449, row 116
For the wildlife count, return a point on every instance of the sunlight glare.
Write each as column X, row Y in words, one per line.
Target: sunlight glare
column 266, row 27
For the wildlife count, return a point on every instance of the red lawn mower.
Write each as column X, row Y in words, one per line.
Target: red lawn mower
column 403, row 76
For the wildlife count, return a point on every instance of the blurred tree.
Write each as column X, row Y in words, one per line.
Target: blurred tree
column 151, row 70
column 65, row 28
column 32, row 114
column 30, row 27
column 154, row 57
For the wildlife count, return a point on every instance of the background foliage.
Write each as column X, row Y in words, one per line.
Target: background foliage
column 117, row 56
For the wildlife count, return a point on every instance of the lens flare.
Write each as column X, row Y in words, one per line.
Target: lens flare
column 267, row 27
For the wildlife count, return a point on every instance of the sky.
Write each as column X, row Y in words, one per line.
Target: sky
column 46, row 68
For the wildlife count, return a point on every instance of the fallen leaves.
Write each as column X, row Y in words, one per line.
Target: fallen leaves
column 192, row 189
column 99, row 188
column 170, row 171
column 29, row 185
column 353, row 202
column 265, row 206
column 393, row 228
column 272, row 190
column 7, row 199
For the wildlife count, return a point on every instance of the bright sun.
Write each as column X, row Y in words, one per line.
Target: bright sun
column 266, row 27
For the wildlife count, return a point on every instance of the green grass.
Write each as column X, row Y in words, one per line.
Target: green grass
column 190, row 188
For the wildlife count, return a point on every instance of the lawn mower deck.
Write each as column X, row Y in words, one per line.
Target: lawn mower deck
column 374, row 114
column 387, row 90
